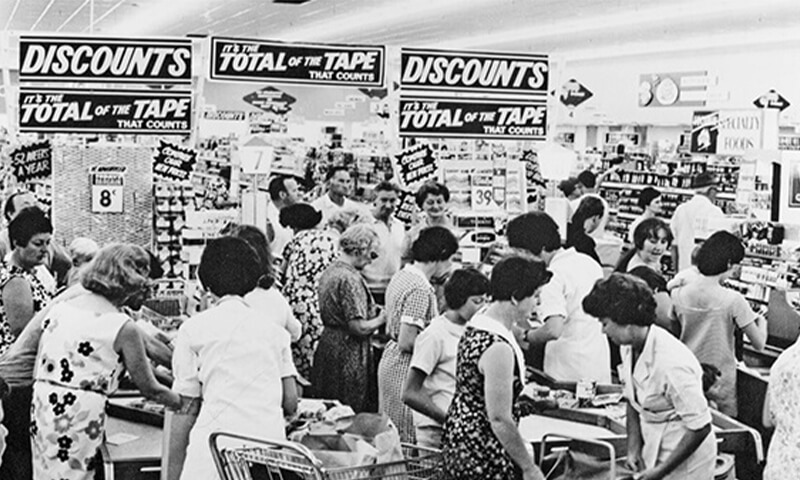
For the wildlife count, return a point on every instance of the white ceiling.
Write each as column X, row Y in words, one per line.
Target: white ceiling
column 572, row 27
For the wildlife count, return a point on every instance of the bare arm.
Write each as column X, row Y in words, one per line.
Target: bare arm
column 130, row 345
column 687, row 445
column 634, row 429
column 497, row 365
column 766, row 414
column 408, row 334
column 757, row 333
column 551, row 330
column 367, row 327
column 416, row 398
column 18, row 303
column 289, row 399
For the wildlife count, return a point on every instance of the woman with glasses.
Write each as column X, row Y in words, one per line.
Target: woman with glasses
column 431, row 381
column 344, row 368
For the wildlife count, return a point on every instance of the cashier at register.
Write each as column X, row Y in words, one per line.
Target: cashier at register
column 668, row 418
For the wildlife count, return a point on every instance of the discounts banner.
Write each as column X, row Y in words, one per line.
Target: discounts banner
column 173, row 162
column 104, row 111
column 449, row 71
column 500, row 119
column 261, row 60
column 99, row 59
column 32, row 161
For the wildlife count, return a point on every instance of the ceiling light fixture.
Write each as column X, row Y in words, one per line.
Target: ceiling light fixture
column 104, row 15
column 159, row 15
column 687, row 12
column 13, row 12
column 41, row 15
column 394, row 13
column 69, row 19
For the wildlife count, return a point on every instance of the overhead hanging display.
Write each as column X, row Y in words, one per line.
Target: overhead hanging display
column 262, row 60
column 104, row 111
column 106, row 60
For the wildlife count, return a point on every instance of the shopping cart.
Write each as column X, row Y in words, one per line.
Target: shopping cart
column 245, row 458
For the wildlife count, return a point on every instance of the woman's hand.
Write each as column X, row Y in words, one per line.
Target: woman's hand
column 634, row 460
column 651, row 474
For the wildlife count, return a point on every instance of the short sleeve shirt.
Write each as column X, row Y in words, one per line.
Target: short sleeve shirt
column 410, row 299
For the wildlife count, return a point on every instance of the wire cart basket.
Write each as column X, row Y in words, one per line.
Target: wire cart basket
column 258, row 459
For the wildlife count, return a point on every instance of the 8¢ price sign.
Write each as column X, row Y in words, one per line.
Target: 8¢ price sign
column 107, row 189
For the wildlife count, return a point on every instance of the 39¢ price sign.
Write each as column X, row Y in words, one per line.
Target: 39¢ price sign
column 107, row 184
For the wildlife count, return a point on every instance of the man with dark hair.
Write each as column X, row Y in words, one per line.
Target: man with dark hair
column 390, row 234
column 340, row 185
column 690, row 220
column 283, row 191
column 575, row 347
column 588, row 180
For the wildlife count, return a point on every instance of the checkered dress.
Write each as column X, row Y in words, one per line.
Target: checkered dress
column 410, row 299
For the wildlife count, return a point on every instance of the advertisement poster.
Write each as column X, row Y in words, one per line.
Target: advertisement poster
column 104, row 111
column 173, row 162
column 794, row 182
column 484, row 186
column 463, row 118
column 107, row 60
column 476, row 72
column 32, row 161
column 406, row 207
column 677, row 89
column 726, row 132
column 265, row 61
column 107, row 184
column 414, row 165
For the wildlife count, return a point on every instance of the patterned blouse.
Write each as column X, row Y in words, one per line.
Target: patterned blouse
column 783, row 457
column 41, row 297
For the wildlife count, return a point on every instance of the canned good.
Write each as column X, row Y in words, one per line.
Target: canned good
column 584, row 392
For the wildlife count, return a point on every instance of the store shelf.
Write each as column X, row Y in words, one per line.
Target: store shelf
column 677, row 191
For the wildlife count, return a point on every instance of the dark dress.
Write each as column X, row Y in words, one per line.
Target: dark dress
column 581, row 242
column 470, row 449
column 343, row 367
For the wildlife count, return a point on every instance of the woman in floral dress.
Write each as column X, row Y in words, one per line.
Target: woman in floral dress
column 481, row 439
column 306, row 256
column 80, row 361
column 782, row 411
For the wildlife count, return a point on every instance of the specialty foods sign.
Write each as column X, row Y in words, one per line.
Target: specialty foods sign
column 474, row 72
column 95, row 59
column 259, row 60
column 106, row 111
column 462, row 118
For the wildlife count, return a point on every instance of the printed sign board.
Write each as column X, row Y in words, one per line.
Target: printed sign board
column 445, row 70
column 574, row 94
column 677, row 89
column 107, row 60
column 415, row 165
column 261, row 60
column 772, row 99
column 726, row 132
column 32, row 161
column 270, row 99
column 473, row 118
column 104, row 111
column 173, row 162
column 107, row 184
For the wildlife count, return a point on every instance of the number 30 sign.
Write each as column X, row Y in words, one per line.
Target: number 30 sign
column 108, row 184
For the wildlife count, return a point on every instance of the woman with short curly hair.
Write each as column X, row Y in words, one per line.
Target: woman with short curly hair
column 344, row 367
column 86, row 344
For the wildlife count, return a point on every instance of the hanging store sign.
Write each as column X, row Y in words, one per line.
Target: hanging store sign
column 270, row 99
column 726, row 132
column 107, row 60
column 104, row 111
column 678, row 89
column 261, row 60
column 173, row 162
column 107, row 183
column 772, row 99
column 32, row 161
column 574, row 94
column 453, row 71
column 406, row 206
column 415, row 165
column 462, row 118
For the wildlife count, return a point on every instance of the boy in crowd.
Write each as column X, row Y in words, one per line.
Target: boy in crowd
column 431, row 382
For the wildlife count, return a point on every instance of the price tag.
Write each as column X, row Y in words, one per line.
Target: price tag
column 107, row 190
column 482, row 198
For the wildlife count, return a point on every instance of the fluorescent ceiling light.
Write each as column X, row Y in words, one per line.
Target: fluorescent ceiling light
column 69, row 19
column 670, row 12
column 99, row 19
column 156, row 17
column 13, row 12
column 376, row 18
column 762, row 37
column 41, row 16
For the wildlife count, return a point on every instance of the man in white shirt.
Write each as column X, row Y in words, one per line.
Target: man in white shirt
column 575, row 346
column 690, row 220
column 390, row 233
column 283, row 191
column 340, row 184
